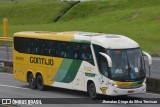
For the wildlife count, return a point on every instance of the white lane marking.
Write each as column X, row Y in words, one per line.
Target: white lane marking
column 14, row 87
column 6, row 74
column 153, row 94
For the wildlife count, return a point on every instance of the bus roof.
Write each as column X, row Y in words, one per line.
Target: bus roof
column 110, row 41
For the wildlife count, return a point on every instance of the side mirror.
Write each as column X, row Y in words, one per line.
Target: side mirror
column 149, row 60
column 107, row 58
column 149, row 57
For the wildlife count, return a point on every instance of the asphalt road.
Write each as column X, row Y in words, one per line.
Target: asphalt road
column 10, row 88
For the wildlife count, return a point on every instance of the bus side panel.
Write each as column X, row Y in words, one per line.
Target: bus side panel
column 85, row 72
column 66, row 73
column 72, row 71
column 24, row 63
column 19, row 72
column 19, row 66
column 79, row 81
column 48, row 72
column 53, row 71
column 62, row 70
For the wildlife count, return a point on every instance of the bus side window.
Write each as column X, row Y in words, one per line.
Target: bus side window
column 52, row 46
column 58, row 49
column 63, row 50
column 31, row 46
column 98, row 49
column 70, row 50
column 78, row 52
column 86, row 53
column 44, row 47
column 26, row 48
column 36, row 46
column 103, row 66
column 18, row 44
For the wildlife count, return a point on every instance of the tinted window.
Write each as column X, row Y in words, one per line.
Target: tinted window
column 69, row 50
column 102, row 62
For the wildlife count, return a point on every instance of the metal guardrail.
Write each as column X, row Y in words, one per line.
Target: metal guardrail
column 6, row 59
column 7, row 39
column 6, row 52
column 6, row 49
column 153, row 84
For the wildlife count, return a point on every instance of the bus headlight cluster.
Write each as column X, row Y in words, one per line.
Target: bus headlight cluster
column 113, row 84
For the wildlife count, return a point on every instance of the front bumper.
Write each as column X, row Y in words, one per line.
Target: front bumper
column 115, row 91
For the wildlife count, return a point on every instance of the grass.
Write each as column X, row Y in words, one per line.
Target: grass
column 32, row 12
column 136, row 19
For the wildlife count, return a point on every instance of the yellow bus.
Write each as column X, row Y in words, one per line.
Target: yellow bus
column 96, row 63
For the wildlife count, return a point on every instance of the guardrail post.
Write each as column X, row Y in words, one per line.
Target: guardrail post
column 5, row 27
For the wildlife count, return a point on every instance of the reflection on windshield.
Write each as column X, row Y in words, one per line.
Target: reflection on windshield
column 128, row 65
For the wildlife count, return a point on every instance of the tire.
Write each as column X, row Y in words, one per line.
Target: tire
column 92, row 91
column 32, row 81
column 40, row 83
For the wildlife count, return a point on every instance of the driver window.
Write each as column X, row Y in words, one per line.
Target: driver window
column 103, row 66
column 102, row 62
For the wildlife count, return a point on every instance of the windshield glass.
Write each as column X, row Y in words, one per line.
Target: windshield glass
column 127, row 65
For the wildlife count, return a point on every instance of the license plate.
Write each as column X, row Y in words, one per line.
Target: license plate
column 130, row 91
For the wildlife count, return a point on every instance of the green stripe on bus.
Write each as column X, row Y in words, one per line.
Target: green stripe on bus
column 63, row 69
column 72, row 71
column 90, row 74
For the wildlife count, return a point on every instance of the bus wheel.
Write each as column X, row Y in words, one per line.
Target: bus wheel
column 32, row 81
column 40, row 84
column 92, row 90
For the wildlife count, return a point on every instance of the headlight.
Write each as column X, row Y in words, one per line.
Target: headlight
column 112, row 84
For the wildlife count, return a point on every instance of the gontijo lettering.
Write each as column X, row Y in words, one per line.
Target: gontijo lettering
column 44, row 61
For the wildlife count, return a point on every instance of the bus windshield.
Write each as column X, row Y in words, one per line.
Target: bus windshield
column 127, row 65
